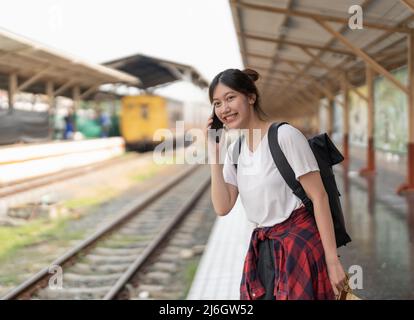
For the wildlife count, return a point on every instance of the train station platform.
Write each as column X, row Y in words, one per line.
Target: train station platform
column 380, row 223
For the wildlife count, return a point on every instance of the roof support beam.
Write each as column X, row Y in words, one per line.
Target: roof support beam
column 409, row 4
column 307, row 98
column 4, row 54
column 381, row 38
column 275, row 58
column 33, row 79
column 285, row 79
column 305, row 103
column 329, row 109
column 311, row 93
column 49, row 90
column 330, row 42
column 76, row 102
column 303, row 89
column 281, row 82
column 282, row 72
column 408, row 185
column 312, row 15
column 239, row 27
column 411, row 98
column 13, row 83
column 64, row 87
column 318, row 61
column 369, row 169
column 345, row 117
column 89, row 91
column 62, row 67
column 358, row 93
column 333, row 70
column 322, row 88
column 22, row 65
column 295, row 103
column 298, row 44
column 360, row 53
column 52, row 107
column 261, row 56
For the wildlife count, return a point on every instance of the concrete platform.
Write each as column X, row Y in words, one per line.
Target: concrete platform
column 21, row 162
column 220, row 269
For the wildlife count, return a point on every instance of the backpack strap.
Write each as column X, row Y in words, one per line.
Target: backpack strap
column 236, row 151
column 284, row 167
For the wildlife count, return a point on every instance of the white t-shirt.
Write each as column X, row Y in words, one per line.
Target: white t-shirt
column 266, row 197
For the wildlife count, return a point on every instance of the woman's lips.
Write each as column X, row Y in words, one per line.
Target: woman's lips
column 230, row 117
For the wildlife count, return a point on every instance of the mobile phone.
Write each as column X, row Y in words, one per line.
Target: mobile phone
column 217, row 124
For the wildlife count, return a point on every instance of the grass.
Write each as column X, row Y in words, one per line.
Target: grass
column 148, row 173
column 189, row 274
column 14, row 238
column 9, row 279
column 102, row 195
column 39, row 230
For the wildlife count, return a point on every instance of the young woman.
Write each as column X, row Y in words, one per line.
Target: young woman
column 292, row 253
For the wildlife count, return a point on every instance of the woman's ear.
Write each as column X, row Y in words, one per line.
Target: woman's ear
column 252, row 98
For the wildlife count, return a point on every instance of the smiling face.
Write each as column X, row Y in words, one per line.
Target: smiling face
column 233, row 108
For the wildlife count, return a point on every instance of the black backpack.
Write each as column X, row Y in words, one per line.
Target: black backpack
column 326, row 155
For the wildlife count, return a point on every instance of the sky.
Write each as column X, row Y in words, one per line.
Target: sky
column 200, row 33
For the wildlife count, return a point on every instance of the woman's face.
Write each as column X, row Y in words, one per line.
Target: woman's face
column 232, row 107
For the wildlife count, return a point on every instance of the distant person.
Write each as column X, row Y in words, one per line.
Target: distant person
column 69, row 126
column 105, row 124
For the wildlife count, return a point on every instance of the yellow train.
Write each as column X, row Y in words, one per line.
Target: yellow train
column 142, row 115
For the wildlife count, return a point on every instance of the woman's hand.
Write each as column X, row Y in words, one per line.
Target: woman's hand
column 213, row 147
column 208, row 126
column 336, row 275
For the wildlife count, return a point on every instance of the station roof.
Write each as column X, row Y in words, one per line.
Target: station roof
column 297, row 48
column 154, row 71
column 30, row 59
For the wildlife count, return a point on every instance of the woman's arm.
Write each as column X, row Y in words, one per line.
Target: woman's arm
column 223, row 195
column 314, row 188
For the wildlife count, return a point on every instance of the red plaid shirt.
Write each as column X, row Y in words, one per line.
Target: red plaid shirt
column 300, row 267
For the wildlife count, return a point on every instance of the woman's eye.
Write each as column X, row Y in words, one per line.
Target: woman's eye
column 230, row 98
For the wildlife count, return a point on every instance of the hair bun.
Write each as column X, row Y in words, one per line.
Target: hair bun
column 252, row 74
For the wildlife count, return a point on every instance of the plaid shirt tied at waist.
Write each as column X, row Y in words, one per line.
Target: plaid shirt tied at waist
column 299, row 260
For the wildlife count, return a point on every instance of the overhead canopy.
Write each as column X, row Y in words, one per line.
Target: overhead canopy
column 36, row 64
column 302, row 48
column 154, row 72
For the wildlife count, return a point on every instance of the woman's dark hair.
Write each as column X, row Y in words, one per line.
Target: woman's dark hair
column 241, row 81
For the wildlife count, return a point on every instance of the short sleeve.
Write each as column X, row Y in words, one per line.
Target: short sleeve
column 229, row 171
column 297, row 150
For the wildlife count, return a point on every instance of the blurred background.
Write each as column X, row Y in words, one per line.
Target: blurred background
column 85, row 210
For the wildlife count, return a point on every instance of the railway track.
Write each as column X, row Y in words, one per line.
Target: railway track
column 102, row 265
column 21, row 186
column 30, row 184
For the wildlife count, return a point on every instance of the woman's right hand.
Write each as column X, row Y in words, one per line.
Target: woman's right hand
column 211, row 138
column 208, row 126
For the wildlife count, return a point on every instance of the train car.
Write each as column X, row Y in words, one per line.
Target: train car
column 142, row 115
